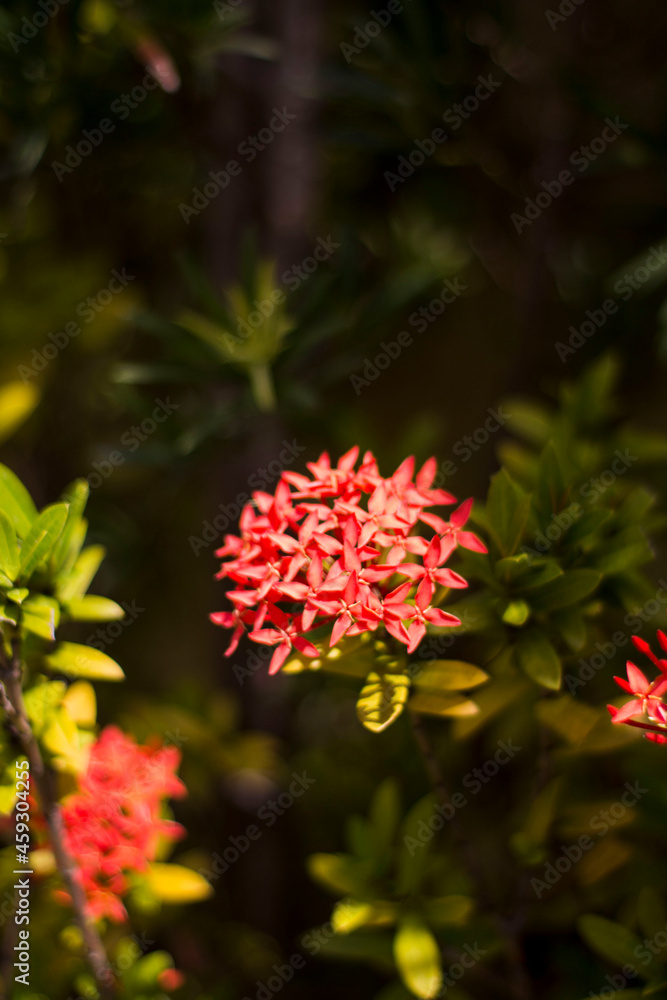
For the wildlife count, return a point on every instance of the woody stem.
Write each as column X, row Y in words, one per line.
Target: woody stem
column 11, row 697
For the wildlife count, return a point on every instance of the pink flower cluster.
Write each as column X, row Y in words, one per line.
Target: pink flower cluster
column 328, row 547
column 114, row 822
column 647, row 702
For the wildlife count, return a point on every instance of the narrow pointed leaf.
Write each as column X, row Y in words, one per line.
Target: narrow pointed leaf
column 75, row 660
column 9, row 550
column 16, row 502
column 417, row 957
column 41, row 539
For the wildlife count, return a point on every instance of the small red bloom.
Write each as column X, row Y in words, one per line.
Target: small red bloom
column 647, row 703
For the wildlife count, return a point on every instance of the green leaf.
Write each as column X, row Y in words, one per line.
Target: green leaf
column 384, row 815
column 41, row 539
column 449, row 910
column 41, row 616
column 613, row 942
column 550, row 481
column 176, row 884
column 382, row 700
column 516, row 613
column 507, row 509
column 70, row 542
column 413, row 853
column 335, row 872
column 16, row 502
column 18, row 594
column 539, row 660
column 41, row 702
column 40, row 620
column 573, row 586
column 75, row 660
column 350, row 914
column 573, row 720
column 447, row 705
column 628, row 549
column 572, row 626
column 76, row 582
column 449, row 675
column 512, row 568
column 94, row 609
column 587, row 526
column 9, row 550
column 528, row 420
column 417, row 957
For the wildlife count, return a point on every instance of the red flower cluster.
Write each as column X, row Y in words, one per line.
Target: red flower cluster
column 647, row 700
column 330, row 544
column 114, row 822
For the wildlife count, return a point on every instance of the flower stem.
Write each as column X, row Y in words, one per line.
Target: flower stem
column 262, row 387
column 11, row 697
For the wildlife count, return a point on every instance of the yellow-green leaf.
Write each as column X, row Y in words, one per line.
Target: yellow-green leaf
column 176, row 884
column 9, row 550
column 449, row 675
column 41, row 538
column 81, row 704
column 74, row 660
column 16, row 501
column 417, row 957
column 382, row 700
column 17, row 402
column 76, row 582
column 450, row 705
column 539, row 660
column 334, row 872
column 350, row 914
column 449, row 910
column 94, row 609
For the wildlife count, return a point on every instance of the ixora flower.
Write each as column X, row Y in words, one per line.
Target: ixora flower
column 340, row 548
column 114, row 822
column 646, row 710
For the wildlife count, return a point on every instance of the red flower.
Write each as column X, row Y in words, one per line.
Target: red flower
column 648, row 701
column 114, row 822
column 331, row 549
